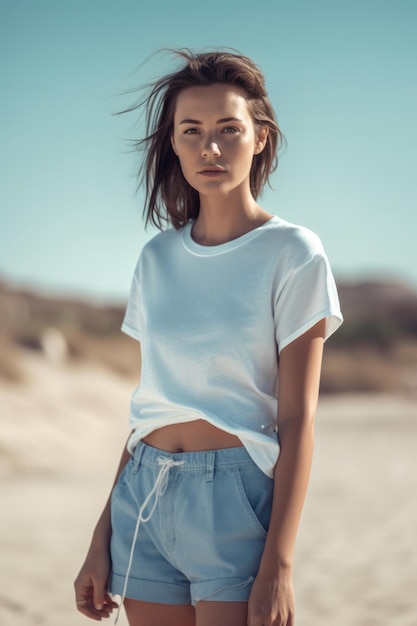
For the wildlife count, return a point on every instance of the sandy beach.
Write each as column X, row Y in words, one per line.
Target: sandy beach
column 61, row 436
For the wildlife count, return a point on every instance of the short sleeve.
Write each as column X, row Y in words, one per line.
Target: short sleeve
column 132, row 320
column 309, row 294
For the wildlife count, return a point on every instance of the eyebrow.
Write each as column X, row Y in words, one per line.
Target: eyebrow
column 221, row 121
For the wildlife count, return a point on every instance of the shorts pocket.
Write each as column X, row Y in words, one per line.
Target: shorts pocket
column 256, row 491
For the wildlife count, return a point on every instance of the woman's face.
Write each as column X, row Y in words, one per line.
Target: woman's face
column 215, row 138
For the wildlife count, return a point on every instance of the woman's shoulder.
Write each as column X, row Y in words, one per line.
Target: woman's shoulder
column 291, row 238
column 162, row 241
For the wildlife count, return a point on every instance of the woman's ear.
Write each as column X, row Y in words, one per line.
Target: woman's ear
column 261, row 139
column 173, row 144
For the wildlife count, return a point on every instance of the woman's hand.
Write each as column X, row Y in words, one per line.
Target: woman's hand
column 271, row 602
column 90, row 585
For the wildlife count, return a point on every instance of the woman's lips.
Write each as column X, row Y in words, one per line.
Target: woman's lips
column 212, row 172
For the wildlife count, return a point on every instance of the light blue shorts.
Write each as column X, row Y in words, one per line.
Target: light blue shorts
column 204, row 519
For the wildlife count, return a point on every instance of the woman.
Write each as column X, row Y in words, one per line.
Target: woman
column 201, row 525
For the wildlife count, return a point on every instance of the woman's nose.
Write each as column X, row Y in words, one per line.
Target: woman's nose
column 211, row 149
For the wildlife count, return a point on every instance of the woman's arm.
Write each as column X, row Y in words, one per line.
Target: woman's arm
column 91, row 583
column 272, row 598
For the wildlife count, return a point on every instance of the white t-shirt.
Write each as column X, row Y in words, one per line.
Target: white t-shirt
column 212, row 320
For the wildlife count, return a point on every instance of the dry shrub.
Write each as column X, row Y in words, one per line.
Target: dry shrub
column 360, row 370
column 405, row 354
column 405, row 351
column 118, row 352
column 10, row 368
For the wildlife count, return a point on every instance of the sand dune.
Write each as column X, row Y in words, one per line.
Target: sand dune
column 61, row 436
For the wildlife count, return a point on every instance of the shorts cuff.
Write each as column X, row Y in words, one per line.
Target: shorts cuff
column 222, row 590
column 149, row 590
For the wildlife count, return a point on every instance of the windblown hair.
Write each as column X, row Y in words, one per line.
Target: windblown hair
column 169, row 197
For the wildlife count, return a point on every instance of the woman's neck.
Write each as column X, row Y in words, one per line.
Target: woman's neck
column 223, row 219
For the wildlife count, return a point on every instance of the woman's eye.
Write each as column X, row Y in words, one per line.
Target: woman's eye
column 230, row 129
column 191, row 131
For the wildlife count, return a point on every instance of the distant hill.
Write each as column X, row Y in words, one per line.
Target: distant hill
column 75, row 328
column 23, row 310
column 375, row 349
column 379, row 313
column 392, row 305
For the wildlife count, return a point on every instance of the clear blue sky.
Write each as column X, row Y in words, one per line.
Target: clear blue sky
column 342, row 77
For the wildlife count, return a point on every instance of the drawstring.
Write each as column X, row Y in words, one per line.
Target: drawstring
column 158, row 489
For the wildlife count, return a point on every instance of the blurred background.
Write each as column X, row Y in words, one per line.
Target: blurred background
column 342, row 79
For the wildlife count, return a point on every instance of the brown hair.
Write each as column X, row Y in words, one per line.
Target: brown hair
column 169, row 197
